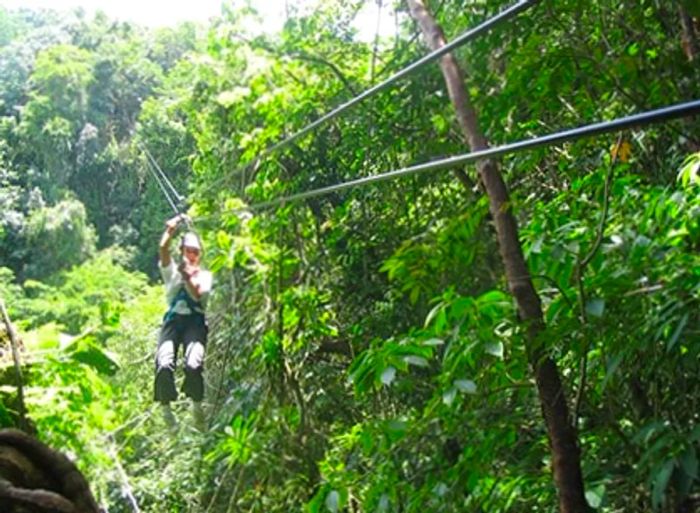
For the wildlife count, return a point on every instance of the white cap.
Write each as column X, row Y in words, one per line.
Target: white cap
column 190, row 240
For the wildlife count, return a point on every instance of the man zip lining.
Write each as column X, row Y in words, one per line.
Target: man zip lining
column 187, row 288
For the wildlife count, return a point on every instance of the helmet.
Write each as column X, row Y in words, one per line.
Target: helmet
column 190, row 240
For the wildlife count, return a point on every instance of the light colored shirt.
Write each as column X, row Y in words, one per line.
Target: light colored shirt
column 174, row 282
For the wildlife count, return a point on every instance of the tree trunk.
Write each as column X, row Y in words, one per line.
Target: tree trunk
column 23, row 423
column 566, row 459
column 37, row 479
column 689, row 40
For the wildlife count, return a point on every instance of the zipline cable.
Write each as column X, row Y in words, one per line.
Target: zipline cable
column 690, row 108
column 164, row 178
column 461, row 40
column 163, row 188
column 174, row 199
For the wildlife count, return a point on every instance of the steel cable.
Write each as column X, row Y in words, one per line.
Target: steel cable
column 461, row 40
column 690, row 108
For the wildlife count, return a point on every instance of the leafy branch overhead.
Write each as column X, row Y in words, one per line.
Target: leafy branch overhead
column 387, row 348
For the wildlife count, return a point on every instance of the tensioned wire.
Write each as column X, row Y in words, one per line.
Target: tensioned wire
column 173, row 197
column 176, row 201
column 461, row 40
column 163, row 188
column 668, row 113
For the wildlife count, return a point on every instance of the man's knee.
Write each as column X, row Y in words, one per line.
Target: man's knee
column 194, row 356
column 165, row 355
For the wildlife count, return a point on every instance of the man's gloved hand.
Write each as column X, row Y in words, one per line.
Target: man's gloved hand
column 172, row 223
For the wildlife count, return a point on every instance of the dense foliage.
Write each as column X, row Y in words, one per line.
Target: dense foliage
column 365, row 355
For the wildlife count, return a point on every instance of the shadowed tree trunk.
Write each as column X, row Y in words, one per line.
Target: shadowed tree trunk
column 566, row 459
column 689, row 40
column 37, row 479
column 14, row 343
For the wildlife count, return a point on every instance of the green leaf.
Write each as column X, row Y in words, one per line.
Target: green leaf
column 494, row 349
column 690, row 172
column 418, row 361
column 595, row 307
column 689, row 462
column 677, row 332
column 90, row 354
column 333, row 501
column 314, row 505
column 388, row 375
column 613, row 364
column 695, row 434
column 661, row 479
column 465, row 385
column 5, row 417
column 492, row 296
column 594, row 496
column 448, row 397
column 434, row 311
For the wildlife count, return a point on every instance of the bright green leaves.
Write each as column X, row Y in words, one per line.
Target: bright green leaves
column 59, row 237
column 63, row 73
column 689, row 175
column 465, row 386
column 486, row 316
column 229, row 98
column 378, row 366
column 328, row 500
column 595, row 496
column 89, row 352
column 238, row 441
column 90, row 295
column 416, row 266
column 307, row 315
column 476, row 333
column 595, row 307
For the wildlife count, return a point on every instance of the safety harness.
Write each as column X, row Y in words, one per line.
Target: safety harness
column 195, row 306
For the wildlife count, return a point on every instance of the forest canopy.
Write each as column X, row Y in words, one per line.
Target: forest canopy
column 417, row 344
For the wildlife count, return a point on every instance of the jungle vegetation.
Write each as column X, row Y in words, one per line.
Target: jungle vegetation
column 367, row 352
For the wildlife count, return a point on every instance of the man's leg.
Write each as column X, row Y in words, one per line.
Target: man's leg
column 164, row 385
column 195, row 339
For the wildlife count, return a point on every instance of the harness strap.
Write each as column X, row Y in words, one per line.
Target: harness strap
column 195, row 306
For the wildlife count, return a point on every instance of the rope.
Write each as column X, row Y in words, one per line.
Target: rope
column 690, row 108
column 464, row 38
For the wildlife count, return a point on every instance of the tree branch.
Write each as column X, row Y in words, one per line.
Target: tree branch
column 23, row 423
column 581, row 268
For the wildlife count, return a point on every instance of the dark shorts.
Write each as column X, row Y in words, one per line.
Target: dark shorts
column 188, row 332
column 183, row 329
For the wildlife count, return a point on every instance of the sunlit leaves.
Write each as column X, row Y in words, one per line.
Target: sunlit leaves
column 690, row 172
column 394, row 292
column 378, row 365
column 237, row 442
